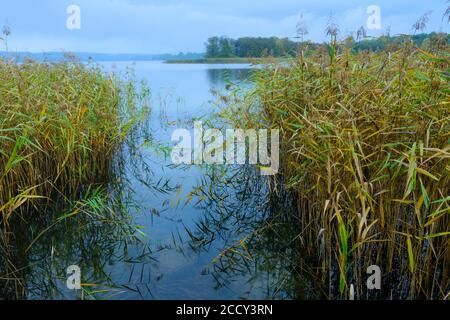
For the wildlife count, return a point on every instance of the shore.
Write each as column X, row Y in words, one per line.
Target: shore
column 216, row 61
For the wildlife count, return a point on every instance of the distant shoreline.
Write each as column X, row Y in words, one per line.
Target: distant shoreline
column 216, row 61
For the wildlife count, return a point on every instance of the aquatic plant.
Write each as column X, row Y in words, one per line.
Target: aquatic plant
column 60, row 125
column 365, row 140
column 71, row 138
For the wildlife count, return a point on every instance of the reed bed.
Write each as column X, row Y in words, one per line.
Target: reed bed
column 365, row 140
column 60, row 125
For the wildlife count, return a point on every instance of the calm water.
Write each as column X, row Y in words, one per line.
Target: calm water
column 207, row 230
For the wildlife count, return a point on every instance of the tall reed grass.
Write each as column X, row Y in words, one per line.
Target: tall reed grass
column 365, row 139
column 60, row 125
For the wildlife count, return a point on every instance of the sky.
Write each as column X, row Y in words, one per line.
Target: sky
column 172, row 26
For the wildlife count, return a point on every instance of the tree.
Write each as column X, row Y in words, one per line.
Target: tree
column 226, row 47
column 213, row 47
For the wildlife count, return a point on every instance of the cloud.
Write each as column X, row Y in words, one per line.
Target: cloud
column 155, row 26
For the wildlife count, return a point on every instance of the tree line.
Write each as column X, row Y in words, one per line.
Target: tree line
column 225, row 47
column 422, row 40
column 258, row 47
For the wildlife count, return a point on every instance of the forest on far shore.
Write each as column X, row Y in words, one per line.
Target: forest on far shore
column 258, row 47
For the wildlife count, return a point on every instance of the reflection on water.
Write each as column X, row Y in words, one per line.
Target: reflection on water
column 218, row 77
column 254, row 222
column 155, row 231
column 94, row 230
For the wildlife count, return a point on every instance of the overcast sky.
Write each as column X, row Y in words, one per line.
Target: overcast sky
column 160, row 26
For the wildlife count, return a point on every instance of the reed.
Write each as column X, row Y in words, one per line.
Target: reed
column 60, row 125
column 365, row 139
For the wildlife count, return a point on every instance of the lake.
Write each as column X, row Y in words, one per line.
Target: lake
column 204, row 233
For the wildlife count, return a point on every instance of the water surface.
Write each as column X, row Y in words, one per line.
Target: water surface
column 207, row 234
